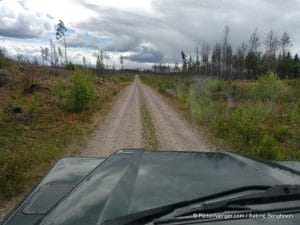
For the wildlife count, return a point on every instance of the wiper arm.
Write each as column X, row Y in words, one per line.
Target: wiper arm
column 279, row 193
column 150, row 214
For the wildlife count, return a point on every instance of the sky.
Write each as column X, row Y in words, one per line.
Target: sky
column 143, row 31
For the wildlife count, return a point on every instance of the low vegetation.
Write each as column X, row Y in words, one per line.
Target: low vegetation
column 149, row 137
column 260, row 118
column 45, row 114
column 81, row 94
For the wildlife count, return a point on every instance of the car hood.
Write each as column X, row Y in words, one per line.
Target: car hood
column 134, row 180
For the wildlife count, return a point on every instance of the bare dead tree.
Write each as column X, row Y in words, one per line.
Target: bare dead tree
column 205, row 50
column 252, row 59
column 217, row 59
column 271, row 46
column 225, row 56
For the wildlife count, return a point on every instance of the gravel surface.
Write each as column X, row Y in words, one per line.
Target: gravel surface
column 172, row 131
column 123, row 126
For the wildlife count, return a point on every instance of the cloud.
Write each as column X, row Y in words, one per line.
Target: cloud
column 146, row 54
column 82, row 41
column 126, row 28
column 19, row 22
column 172, row 26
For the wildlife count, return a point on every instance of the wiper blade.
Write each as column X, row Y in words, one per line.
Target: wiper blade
column 150, row 214
column 278, row 193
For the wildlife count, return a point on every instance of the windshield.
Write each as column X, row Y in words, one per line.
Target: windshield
column 114, row 107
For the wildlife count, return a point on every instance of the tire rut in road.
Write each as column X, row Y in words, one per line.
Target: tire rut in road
column 125, row 125
column 121, row 128
column 172, row 131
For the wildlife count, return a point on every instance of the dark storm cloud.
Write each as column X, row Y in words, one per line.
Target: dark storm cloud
column 127, row 29
column 21, row 27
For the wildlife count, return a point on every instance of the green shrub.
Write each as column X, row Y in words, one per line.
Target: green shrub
column 115, row 92
column 182, row 92
column 283, row 133
column 70, row 66
column 114, row 79
column 241, row 91
column 2, row 62
column 268, row 87
column 206, row 89
column 81, row 92
column 220, row 126
column 58, row 90
column 268, row 148
column 196, row 110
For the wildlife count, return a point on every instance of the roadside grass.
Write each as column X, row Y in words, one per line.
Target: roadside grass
column 257, row 118
column 149, row 137
column 38, row 126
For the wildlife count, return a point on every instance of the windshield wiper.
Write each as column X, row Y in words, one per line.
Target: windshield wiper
column 148, row 215
column 279, row 193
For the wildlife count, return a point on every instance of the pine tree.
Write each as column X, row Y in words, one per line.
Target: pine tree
column 285, row 44
column 122, row 61
column 253, row 56
column 271, row 46
column 184, row 62
column 60, row 34
column 296, row 67
column 99, row 62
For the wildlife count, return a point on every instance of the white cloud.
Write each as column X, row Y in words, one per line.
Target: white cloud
column 144, row 5
column 20, row 22
column 70, row 11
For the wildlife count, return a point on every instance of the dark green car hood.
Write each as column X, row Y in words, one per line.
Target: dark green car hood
column 134, row 180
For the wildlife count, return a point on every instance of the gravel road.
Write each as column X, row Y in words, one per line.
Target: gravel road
column 123, row 126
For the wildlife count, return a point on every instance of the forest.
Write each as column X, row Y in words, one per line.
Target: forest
column 249, row 60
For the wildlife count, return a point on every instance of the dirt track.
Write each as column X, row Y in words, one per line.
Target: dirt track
column 123, row 126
